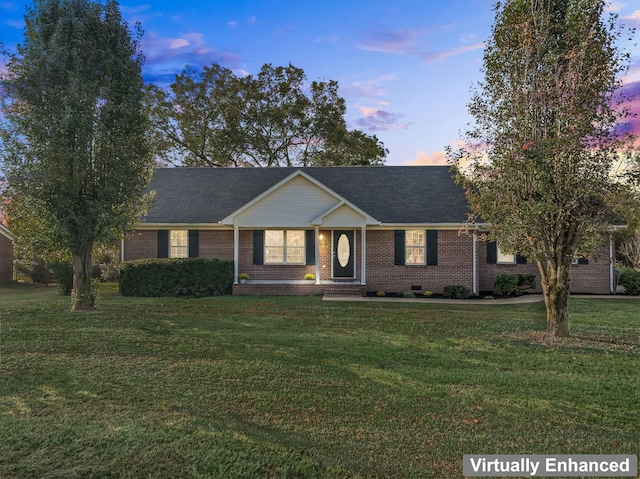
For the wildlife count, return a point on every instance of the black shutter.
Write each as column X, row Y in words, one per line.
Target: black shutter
column 399, row 242
column 492, row 252
column 163, row 243
column 258, row 246
column 310, row 246
column 583, row 260
column 521, row 259
column 194, row 243
column 432, row 247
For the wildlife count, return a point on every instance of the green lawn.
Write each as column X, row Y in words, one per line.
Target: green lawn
column 263, row 387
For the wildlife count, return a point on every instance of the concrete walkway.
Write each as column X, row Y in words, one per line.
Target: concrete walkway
column 526, row 298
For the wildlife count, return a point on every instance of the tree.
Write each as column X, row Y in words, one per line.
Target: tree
column 214, row 118
column 546, row 144
column 74, row 138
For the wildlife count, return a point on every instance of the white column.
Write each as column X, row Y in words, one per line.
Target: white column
column 236, row 254
column 612, row 285
column 363, row 255
column 317, row 253
column 474, row 267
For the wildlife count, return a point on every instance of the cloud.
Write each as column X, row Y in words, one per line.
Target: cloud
column 615, row 7
column 167, row 56
column 405, row 42
column 390, row 41
column 368, row 88
column 434, row 57
column 632, row 90
column 433, row 159
column 375, row 119
column 634, row 18
column 232, row 24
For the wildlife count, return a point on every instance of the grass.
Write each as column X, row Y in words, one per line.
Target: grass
column 268, row 387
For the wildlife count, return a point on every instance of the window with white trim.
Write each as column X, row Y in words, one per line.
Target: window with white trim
column 415, row 247
column 178, row 244
column 284, row 247
column 504, row 258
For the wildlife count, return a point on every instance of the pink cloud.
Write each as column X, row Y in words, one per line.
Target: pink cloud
column 369, row 88
column 634, row 18
column 631, row 91
column 432, row 159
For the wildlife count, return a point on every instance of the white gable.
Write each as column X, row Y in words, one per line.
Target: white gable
column 294, row 204
column 298, row 201
column 341, row 215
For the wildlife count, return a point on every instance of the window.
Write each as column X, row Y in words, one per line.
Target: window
column 415, row 247
column 178, row 244
column 284, row 247
column 504, row 258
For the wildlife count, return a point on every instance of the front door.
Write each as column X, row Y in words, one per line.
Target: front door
column 343, row 254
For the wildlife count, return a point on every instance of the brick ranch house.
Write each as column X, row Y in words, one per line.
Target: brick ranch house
column 356, row 229
column 6, row 254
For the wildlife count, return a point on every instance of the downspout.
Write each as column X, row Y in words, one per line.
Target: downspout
column 122, row 250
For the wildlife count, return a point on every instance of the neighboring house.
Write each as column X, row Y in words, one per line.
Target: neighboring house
column 357, row 229
column 6, row 254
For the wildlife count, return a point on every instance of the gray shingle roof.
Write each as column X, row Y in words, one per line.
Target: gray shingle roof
column 391, row 194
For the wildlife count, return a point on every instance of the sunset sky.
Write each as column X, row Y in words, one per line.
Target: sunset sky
column 405, row 67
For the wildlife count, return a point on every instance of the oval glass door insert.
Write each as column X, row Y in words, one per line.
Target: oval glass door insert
column 344, row 250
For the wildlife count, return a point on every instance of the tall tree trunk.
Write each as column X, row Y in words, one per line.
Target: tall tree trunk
column 556, row 284
column 82, row 265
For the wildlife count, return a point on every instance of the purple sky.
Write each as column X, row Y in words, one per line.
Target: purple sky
column 405, row 67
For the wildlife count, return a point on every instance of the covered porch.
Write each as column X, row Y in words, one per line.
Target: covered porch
column 299, row 238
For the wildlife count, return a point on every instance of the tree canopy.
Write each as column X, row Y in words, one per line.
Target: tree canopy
column 215, row 118
column 74, row 138
column 546, row 157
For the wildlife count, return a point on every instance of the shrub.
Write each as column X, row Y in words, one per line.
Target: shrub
column 427, row 294
column 506, row 284
column 408, row 294
column 184, row 277
column 630, row 279
column 513, row 284
column 62, row 272
column 456, row 291
column 34, row 269
column 380, row 293
column 310, row 277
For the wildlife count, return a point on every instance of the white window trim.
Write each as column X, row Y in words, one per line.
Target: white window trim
column 407, row 247
column 499, row 253
column 174, row 247
column 284, row 250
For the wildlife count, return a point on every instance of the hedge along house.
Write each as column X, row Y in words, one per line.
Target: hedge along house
column 6, row 254
column 355, row 229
